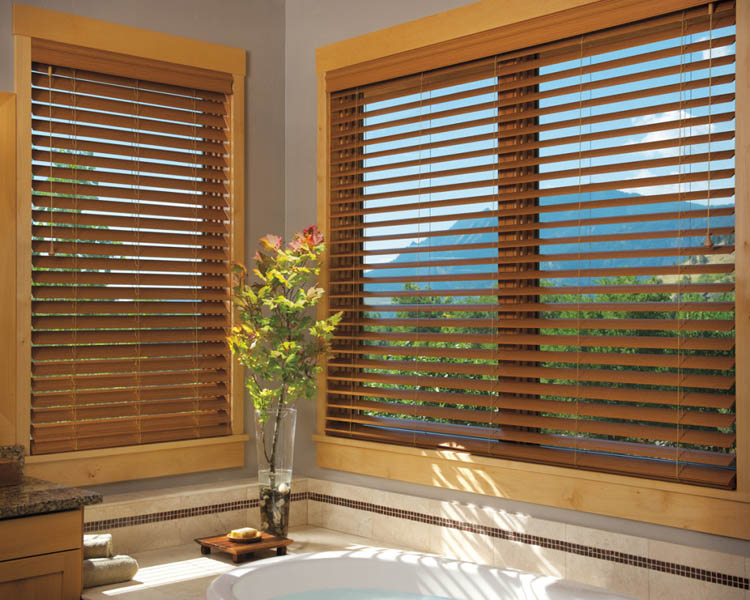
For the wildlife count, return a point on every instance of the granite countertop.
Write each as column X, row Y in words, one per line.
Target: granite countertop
column 35, row 496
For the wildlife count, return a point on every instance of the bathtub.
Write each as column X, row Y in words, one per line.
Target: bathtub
column 349, row 574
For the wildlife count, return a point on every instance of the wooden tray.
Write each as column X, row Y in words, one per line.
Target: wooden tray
column 240, row 551
column 254, row 540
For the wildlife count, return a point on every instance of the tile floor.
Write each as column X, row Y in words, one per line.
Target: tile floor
column 183, row 573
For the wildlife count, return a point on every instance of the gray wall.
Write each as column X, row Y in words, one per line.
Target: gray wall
column 310, row 24
column 254, row 25
column 314, row 23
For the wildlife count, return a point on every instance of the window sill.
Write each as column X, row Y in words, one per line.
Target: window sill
column 91, row 467
column 719, row 512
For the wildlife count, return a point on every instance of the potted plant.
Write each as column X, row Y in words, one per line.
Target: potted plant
column 278, row 340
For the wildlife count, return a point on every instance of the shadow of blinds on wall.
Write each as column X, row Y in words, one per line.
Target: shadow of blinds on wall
column 534, row 253
column 130, row 251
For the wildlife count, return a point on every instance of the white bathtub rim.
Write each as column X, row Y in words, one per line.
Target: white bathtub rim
column 542, row 587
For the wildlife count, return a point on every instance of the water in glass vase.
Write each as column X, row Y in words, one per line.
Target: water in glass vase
column 275, row 497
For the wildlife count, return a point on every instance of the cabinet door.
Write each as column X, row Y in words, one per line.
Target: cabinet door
column 50, row 577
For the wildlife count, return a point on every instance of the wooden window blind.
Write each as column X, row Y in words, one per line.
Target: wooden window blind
column 534, row 253
column 130, row 250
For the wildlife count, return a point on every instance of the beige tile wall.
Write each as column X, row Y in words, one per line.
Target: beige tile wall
column 150, row 536
column 639, row 582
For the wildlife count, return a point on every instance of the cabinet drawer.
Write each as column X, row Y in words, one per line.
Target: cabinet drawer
column 41, row 534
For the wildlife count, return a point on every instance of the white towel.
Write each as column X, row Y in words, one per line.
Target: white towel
column 105, row 571
column 97, row 545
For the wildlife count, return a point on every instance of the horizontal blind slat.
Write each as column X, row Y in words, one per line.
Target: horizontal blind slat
column 91, row 84
column 112, row 207
column 342, row 355
column 87, row 397
column 193, row 226
column 505, row 275
column 79, row 159
column 692, row 399
column 135, row 351
column 75, row 322
column 54, row 128
column 133, row 105
column 143, row 126
column 146, row 195
column 143, row 154
column 686, row 379
column 89, row 177
column 521, row 323
column 507, row 415
column 62, row 368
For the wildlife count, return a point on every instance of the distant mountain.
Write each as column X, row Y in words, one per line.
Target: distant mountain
column 480, row 220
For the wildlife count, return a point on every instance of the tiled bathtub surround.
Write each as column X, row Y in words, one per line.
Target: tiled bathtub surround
column 637, row 566
column 149, row 520
column 632, row 565
column 543, row 542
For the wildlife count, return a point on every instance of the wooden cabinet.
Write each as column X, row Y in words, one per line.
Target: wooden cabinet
column 50, row 577
column 41, row 556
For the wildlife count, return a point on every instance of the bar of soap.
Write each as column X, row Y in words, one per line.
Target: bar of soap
column 245, row 533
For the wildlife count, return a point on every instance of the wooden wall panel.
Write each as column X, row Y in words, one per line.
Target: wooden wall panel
column 92, row 467
column 598, row 493
column 8, row 410
column 742, row 255
column 22, row 49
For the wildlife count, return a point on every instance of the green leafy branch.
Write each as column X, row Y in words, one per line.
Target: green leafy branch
column 275, row 336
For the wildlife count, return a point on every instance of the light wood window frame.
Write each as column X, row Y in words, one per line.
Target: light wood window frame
column 482, row 29
column 130, row 462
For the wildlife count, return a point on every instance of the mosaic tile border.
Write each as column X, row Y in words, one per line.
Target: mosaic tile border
column 544, row 542
column 180, row 513
column 495, row 532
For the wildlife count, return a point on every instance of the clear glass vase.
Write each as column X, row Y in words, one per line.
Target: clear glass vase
column 274, row 438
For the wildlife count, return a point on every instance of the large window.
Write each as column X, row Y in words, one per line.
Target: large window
column 534, row 253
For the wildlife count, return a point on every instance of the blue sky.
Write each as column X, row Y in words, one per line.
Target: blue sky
column 683, row 77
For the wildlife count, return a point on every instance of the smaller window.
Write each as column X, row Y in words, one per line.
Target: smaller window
column 131, row 249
